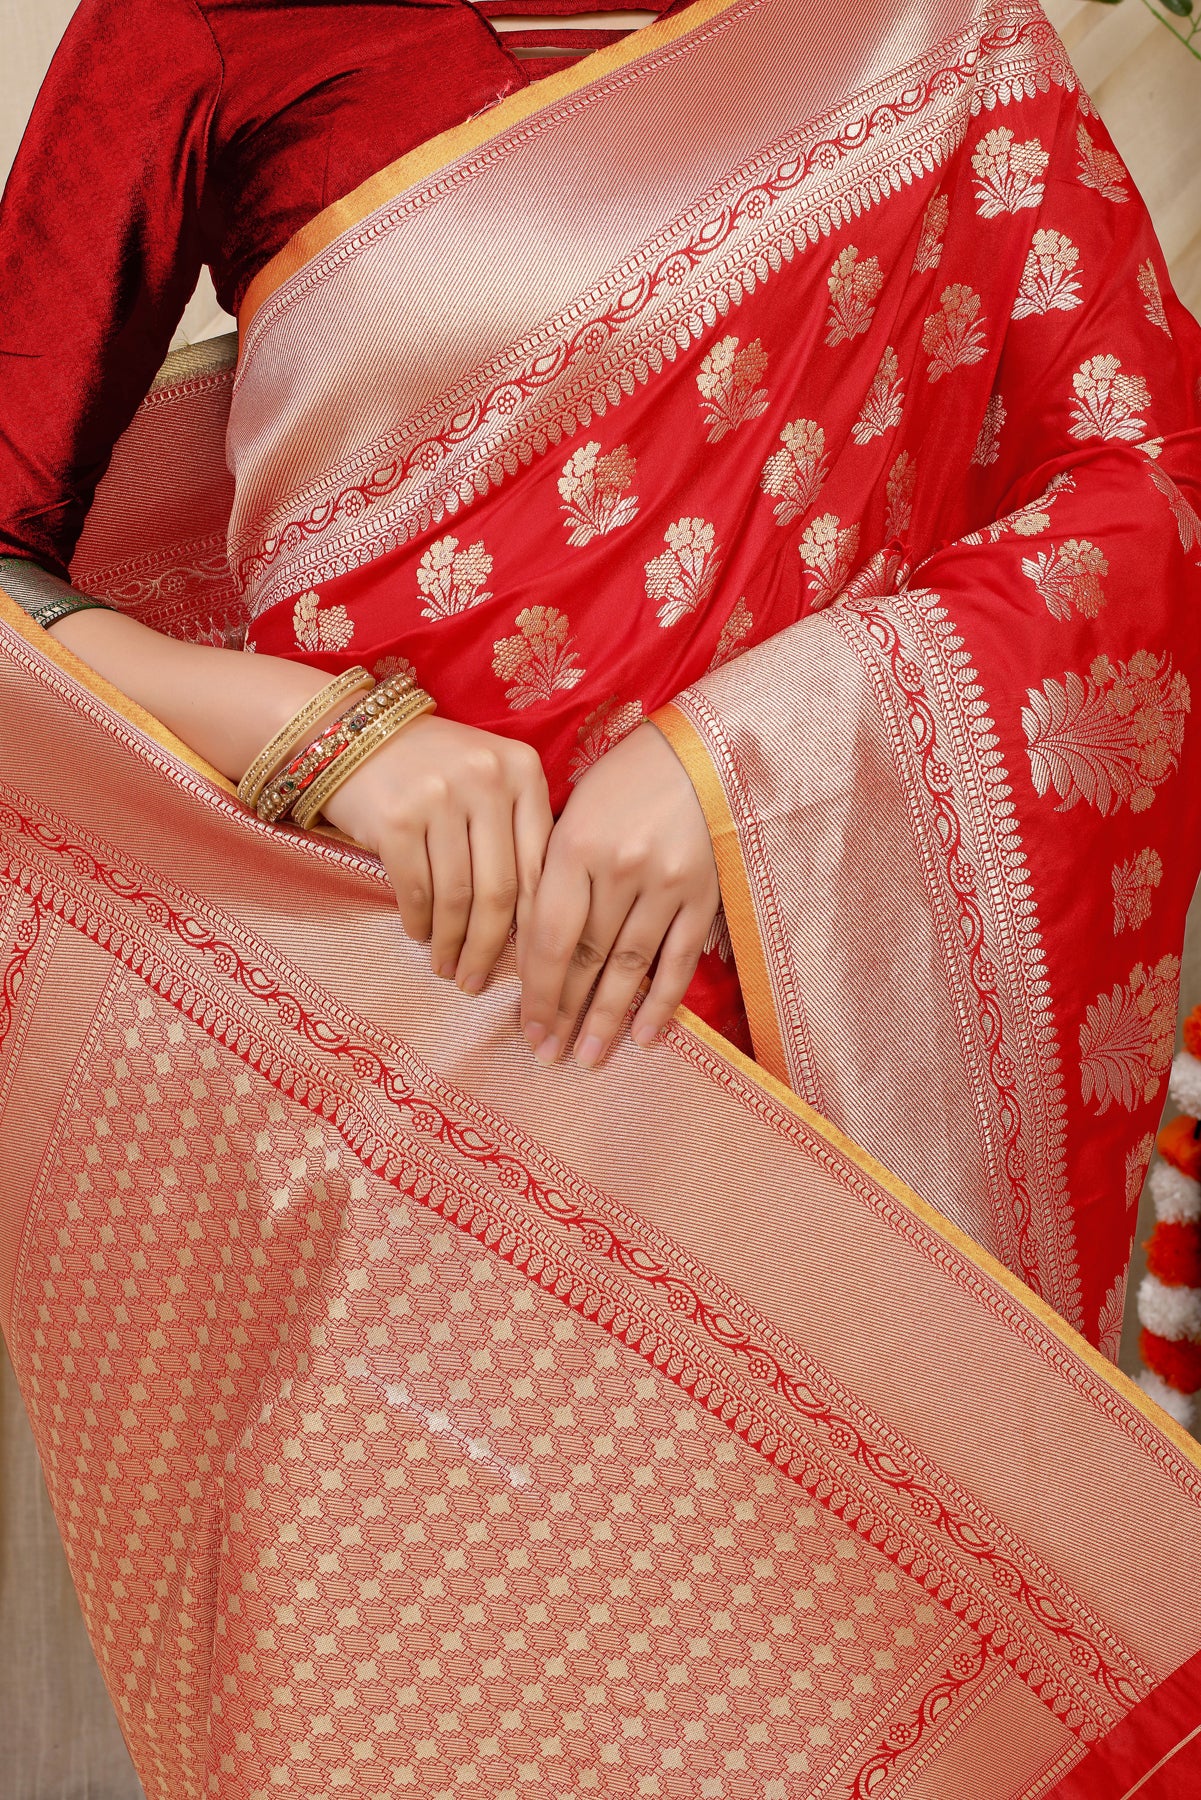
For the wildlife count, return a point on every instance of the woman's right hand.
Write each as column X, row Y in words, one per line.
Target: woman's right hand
column 460, row 819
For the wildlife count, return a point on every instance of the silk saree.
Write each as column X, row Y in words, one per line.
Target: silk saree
column 419, row 1419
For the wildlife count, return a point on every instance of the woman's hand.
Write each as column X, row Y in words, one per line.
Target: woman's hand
column 629, row 875
column 460, row 820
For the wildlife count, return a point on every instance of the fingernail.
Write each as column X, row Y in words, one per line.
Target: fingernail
column 643, row 1035
column 547, row 1050
column 446, row 970
column 588, row 1051
column 535, row 1031
column 473, row 984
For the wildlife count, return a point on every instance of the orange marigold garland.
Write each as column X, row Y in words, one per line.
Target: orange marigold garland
column 1169, row 1297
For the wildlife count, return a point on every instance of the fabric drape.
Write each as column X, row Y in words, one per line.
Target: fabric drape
column 416, row 1417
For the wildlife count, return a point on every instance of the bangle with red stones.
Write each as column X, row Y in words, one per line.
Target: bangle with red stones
column 342, row 687
column 280, row 795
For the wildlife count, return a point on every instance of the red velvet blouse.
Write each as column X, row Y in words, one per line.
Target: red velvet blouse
column 173, row 133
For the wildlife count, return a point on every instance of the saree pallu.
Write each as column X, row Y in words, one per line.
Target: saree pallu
column 855, row 439
column 421, row 1420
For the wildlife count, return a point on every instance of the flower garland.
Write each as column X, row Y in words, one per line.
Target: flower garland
column 1169, row 1297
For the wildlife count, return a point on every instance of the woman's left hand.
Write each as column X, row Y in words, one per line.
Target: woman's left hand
column 629, row 876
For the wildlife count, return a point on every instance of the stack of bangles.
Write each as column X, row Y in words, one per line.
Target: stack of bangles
column 284, row 782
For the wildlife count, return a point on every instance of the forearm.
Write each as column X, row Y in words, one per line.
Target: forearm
column 224, row 705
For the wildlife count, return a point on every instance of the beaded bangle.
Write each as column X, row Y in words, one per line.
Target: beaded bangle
column 352, row 681
column 371, row 739
column 284, row 789
column 54, row 610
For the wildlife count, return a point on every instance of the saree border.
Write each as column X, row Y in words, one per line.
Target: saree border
column 530, row 394
column 147, row 737
column 758, row 1400
column 750, row 958
column 447, row 147
column 1117, row 1768
column 919, row 666
column 585, row 1249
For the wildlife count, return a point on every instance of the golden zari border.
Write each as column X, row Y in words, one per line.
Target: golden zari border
column 749, row 958
column 447, row 147
column 769, row 1084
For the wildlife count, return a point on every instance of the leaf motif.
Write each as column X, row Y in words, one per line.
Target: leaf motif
column 1127, row 1038
column 1110, row 740
column 1109, row 1319
column 1153, row 306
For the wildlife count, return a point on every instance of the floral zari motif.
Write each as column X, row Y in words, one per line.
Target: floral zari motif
column 1108, row 401
column 604, row 726
column 828, row 553
column 452, row 580
column 595, row 489
column 1069, row 578
column 681, row 577
column 928, row 254
column 953, row 337
column 1100, row 169
column 733, row 636
column 794, row 474
column 1127, row 1037
column 988, row 443
column 728, row 384
column 1134, row 881
column 1049, row 282
column 884, row 404
column 537, row 659
column 318, row 628
column 1110, row 739
column 854, row 289
column 1008, row 174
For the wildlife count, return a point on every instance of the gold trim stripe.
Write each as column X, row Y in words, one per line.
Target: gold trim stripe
column 749, row 958
column 439, row 153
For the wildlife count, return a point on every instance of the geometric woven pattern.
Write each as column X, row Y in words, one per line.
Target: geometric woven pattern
column 543, row 1569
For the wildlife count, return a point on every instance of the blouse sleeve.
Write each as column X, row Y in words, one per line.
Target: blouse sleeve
column 100, row 248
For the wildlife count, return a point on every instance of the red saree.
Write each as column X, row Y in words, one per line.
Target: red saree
column 418, row 1419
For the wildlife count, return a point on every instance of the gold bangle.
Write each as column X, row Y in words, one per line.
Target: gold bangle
column 413, row 706
column 286, row 786
column 351, row 681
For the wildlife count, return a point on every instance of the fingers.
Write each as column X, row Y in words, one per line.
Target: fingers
column 557, row 921
column 449, row 850
column 678, row 957
column 634, row 949
column 407, row 867
column 533, row 823
column 493, row 879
